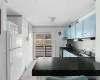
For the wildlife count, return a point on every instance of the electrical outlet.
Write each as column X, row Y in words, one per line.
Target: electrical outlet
column 25, row 68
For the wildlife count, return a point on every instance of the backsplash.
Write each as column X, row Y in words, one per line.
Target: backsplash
column 88, row 45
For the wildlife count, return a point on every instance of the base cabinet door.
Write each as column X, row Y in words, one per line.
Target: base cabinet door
column 68, row 54
column 65, row 53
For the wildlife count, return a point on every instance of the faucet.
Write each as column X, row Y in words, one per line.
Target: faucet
column 83, row 51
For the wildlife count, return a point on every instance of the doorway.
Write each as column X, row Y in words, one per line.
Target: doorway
column 43, row 45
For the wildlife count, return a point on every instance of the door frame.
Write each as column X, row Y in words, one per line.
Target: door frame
column 34, row 39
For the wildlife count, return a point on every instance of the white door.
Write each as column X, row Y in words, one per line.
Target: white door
column 43, row 44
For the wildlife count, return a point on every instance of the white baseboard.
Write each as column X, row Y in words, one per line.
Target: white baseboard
column 25, row 69
column 29, row 64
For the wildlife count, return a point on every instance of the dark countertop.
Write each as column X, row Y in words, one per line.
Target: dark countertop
column 72, row 66
column 75, row 52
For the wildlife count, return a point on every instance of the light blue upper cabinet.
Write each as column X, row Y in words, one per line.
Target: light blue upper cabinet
column 69, row 33
column 89, row 26
column 73, row 32
column 84, row 29
column 65, row 33
column 79, row 30
column 93, row 25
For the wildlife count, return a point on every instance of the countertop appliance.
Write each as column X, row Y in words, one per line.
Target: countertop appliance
column 68, row 46
column 14, row 52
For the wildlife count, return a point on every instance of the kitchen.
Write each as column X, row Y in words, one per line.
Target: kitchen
column 69, row 33
column 79, row 34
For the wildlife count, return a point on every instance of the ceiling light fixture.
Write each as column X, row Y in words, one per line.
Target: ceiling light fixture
column 52, row 19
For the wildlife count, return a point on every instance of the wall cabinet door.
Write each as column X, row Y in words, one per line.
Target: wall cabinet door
column 86, row 28
column 68, row 33
column 93, row 25
column 89, row 26
column 79, row 30
column 65, row 32
column 73, row 33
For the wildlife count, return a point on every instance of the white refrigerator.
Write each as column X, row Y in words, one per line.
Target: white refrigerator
column 14, row 53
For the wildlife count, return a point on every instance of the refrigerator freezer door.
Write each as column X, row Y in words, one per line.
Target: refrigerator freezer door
column 19, row 40
column 14, row 40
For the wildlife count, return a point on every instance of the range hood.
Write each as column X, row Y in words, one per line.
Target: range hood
column 83, row 39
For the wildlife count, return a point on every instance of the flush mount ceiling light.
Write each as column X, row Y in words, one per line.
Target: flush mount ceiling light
column 52, row 19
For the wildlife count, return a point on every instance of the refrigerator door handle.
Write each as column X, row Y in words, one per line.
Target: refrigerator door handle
column 11, row 54
column 10, row 41
column 11, row 57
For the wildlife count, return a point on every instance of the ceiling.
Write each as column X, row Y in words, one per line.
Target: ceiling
column 40, row 12
column 11, row 12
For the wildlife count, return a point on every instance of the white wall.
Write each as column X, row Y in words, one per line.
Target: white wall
column 26, row 47
column 83, row 44
column 97, row 30
column 30, row 43
column 87, row 15
column 56, row 40
column 3, row 41
column 59, row 40
column 17, row 20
